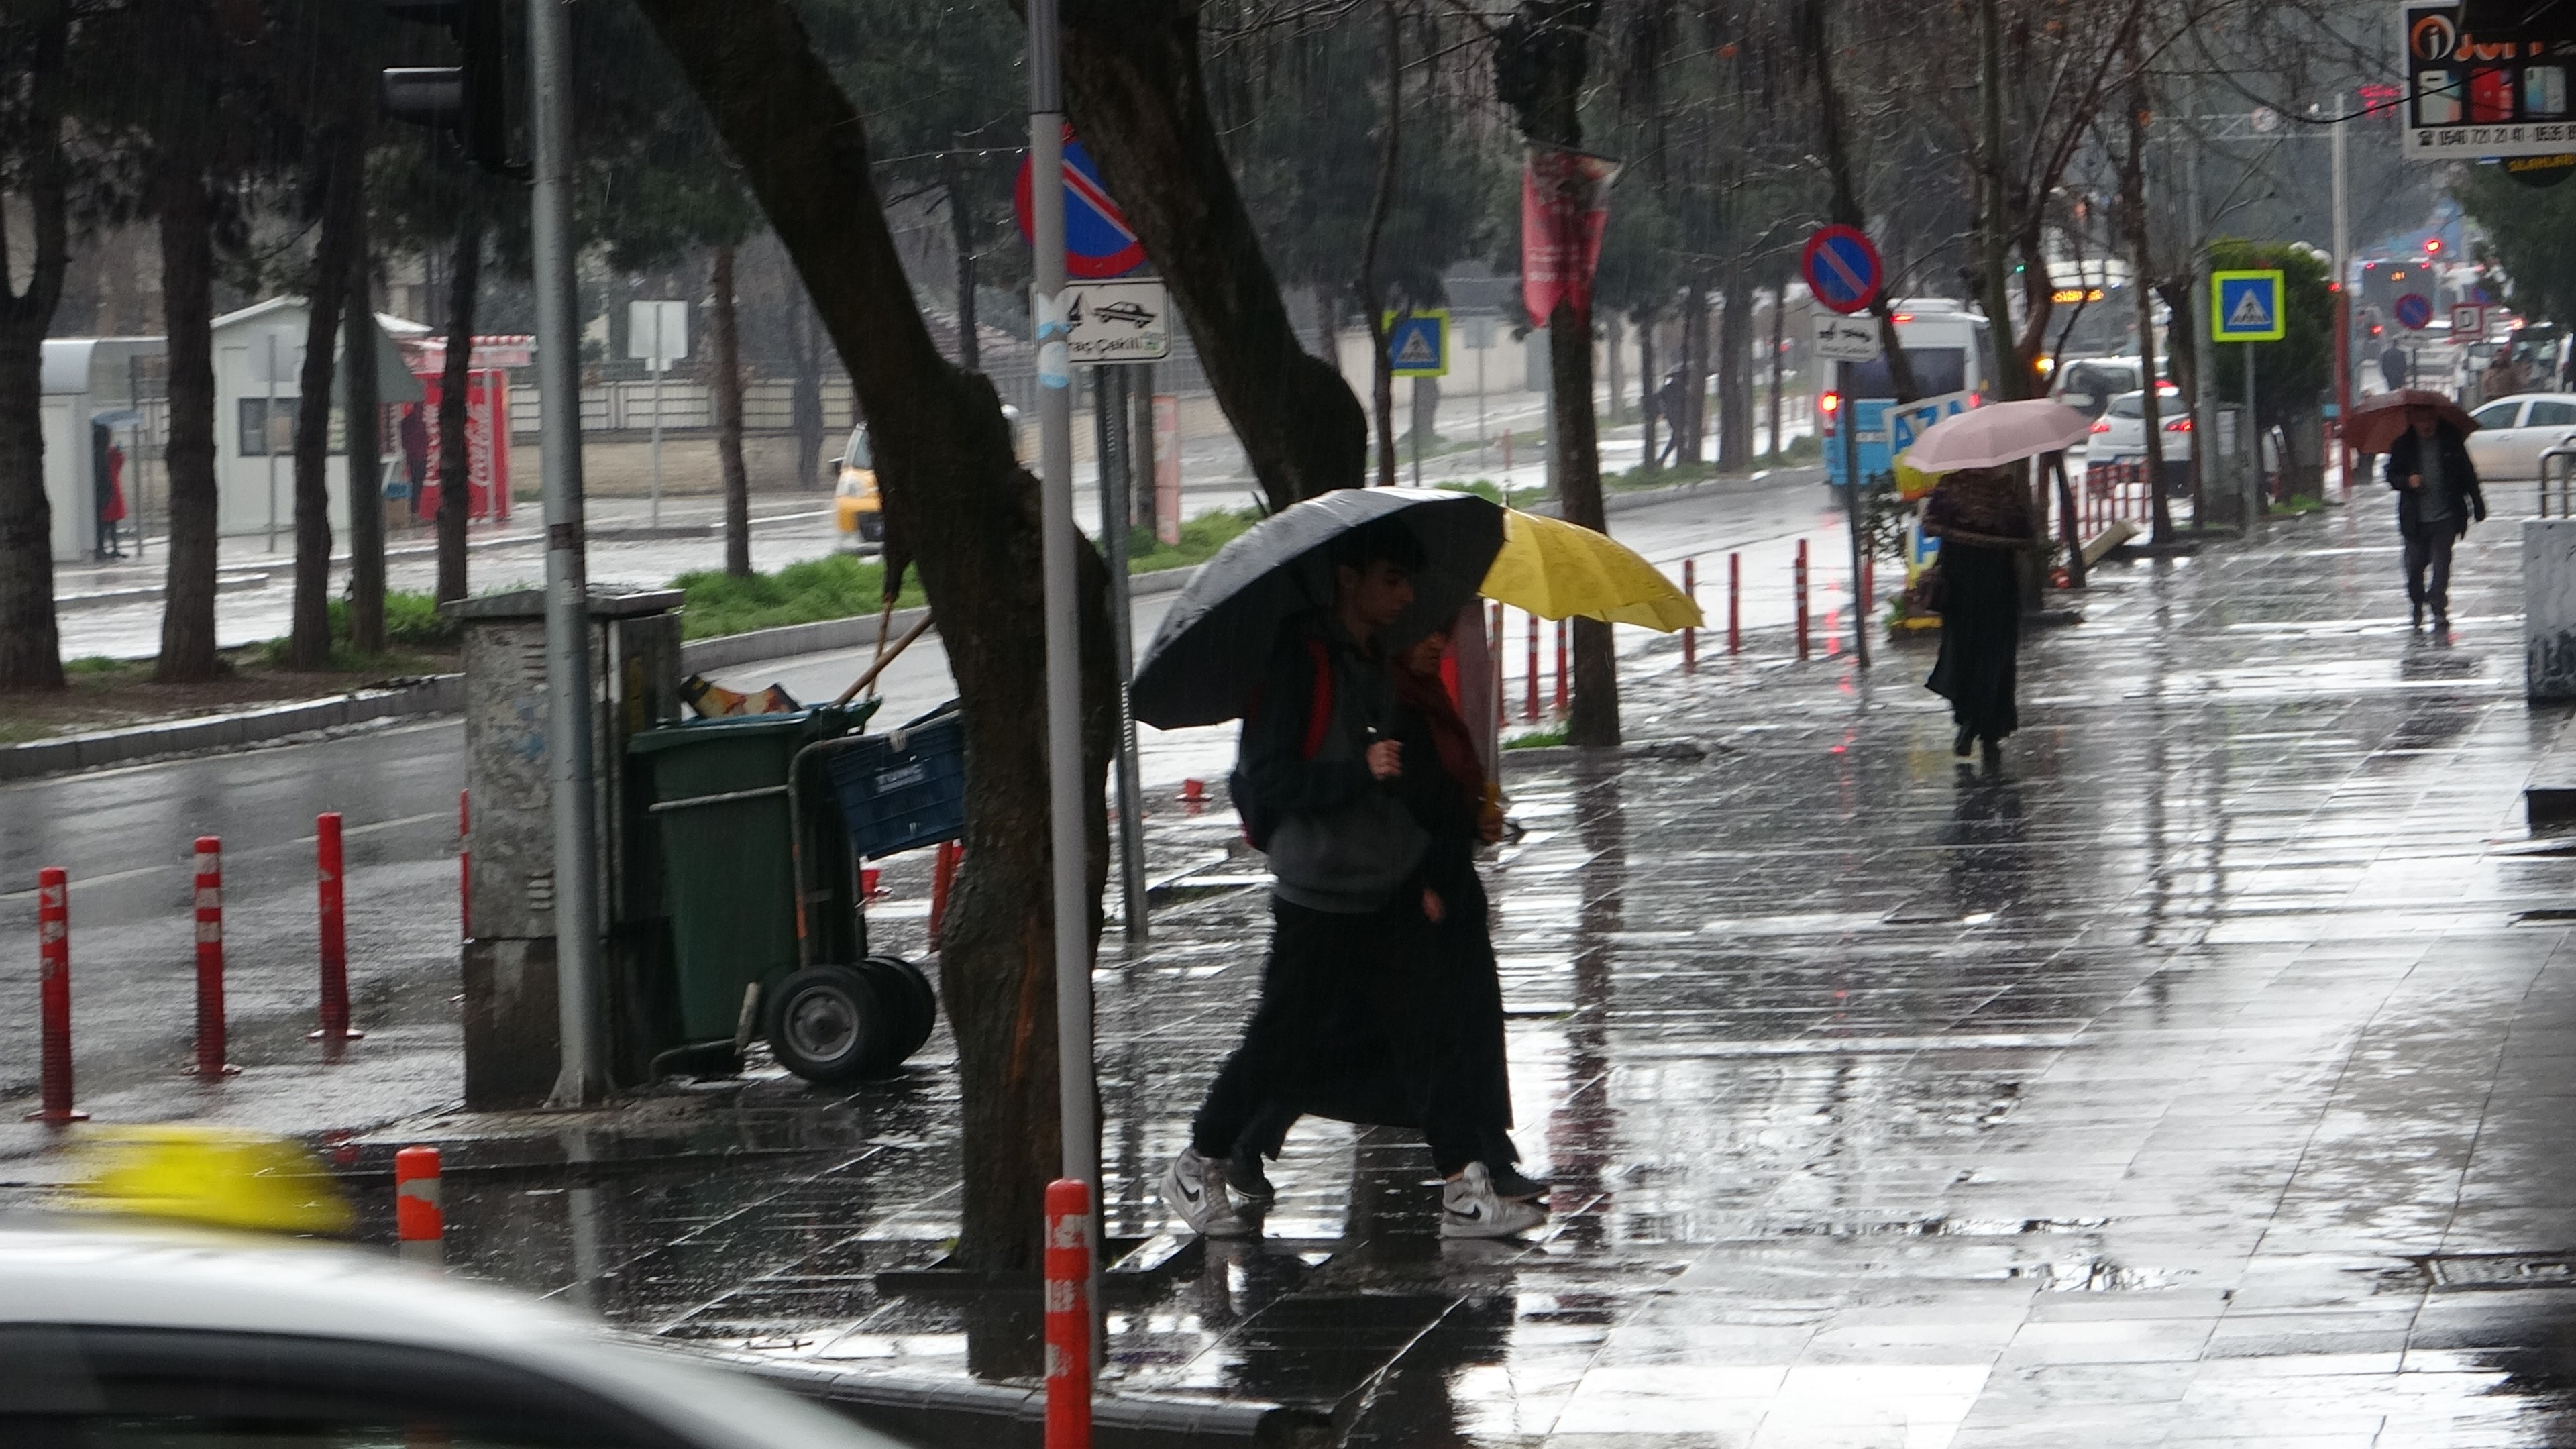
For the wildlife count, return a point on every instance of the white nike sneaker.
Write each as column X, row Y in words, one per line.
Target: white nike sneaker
column 1194, row 1187
column 1470, row 1208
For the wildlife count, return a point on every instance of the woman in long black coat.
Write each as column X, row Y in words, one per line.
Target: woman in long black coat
column 1982, row 518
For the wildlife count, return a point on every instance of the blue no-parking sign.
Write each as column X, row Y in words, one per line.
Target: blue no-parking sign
column 1841, row 267
column 1098, row 242
column 2414, row 310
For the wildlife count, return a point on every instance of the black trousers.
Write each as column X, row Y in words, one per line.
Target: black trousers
column 1349, row 1026
column 2428, row 564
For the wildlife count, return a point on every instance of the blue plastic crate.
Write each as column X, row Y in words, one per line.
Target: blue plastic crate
column 904, row 789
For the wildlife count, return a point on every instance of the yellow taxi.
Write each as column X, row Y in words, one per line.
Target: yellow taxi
column 855, row 507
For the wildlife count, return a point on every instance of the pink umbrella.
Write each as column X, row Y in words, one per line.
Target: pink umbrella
column 1996, row 434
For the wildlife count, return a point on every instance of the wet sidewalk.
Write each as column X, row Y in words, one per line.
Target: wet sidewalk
column 2201, row 1077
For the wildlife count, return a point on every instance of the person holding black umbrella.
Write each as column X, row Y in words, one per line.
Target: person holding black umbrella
column 1349, row 993
column 2437, row 496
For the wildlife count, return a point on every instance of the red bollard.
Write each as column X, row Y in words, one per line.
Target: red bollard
column 871, row 882
column 420, row 1221
column 1068, row 1315
column 54, row 996
column 1529, row 711
column 1560, row 666
column 1193, row 796
column 1494, row 657
column 1798, row 577
column 464, row 866
column 943, row 874
column 210, row 960
column 329, row 875
column 1690, row 635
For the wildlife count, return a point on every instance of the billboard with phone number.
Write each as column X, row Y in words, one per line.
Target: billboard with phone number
column 2488, row 93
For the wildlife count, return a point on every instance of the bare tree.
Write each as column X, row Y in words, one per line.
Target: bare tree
column 36, row 39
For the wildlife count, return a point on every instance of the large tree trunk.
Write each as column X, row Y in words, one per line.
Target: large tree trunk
column 1647, row 382
column 30, row 646
column 1694, row 419
column 455, row 464
column 1779, row 322
column 186, row 216
column 1540, row 57
column 308, row 644
column 805, row 398
column 1131, row 75
column 961, row 235
column 724, row 347
column 1372, row 300
column 2133, row 211
column 364, row 430
column 1734, row 369
column 970, row 514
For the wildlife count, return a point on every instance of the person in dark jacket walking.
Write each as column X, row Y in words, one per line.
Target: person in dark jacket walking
column 2396, row 368
column 1348, row 992
column 1982, row 517
column 1446, row 792
column 2437, row 496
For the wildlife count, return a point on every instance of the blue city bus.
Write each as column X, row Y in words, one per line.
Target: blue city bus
column 1953, row 358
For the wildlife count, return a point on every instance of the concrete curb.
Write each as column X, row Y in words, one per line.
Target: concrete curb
column 1649, row 497
column 1679, row 748
column 955, row 1411
column 439, row 694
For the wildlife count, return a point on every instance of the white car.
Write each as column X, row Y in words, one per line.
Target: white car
column 2121, row 432
column 2514, row 431
column 164, row 1338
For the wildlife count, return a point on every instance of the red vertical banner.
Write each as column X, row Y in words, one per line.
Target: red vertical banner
column 1565, row 203
column 487, row 443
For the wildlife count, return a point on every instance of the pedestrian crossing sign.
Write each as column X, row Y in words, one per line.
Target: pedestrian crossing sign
column 1417, row 343
column 2245, row 307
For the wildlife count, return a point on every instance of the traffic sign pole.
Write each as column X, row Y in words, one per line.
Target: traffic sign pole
column 1843, row 274
column 1080, row 1147
column 1851, row 505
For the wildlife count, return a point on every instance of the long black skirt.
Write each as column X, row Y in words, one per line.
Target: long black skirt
column 1980, row 639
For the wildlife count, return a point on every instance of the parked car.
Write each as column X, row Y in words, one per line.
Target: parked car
column 2087, row 384
column 2514, row 431
column 2120, row 434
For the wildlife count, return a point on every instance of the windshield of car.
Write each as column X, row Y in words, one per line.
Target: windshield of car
column 1937, row 370
column 2128, row 405
column 856, row 455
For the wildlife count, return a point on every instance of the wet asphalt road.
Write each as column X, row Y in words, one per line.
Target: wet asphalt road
column 2199, row 1078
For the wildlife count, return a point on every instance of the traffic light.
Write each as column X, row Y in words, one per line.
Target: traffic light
column 469, row 101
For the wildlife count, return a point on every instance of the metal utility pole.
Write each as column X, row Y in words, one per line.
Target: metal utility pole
column 2204, row 378
column 1851, row 515
column 1081, row 1147
column 583, row 1077
column 268, row 437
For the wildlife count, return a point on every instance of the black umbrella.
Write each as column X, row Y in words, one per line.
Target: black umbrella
column 1215, row 643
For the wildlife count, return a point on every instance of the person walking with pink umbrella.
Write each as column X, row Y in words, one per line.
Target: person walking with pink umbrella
column 1982, row 516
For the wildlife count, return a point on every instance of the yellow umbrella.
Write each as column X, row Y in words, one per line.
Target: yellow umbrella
column 1560, row 570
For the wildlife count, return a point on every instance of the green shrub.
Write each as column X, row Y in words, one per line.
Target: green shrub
column 837, row 586
column 1536, row 739
column 1201, row 537
column 412, row 622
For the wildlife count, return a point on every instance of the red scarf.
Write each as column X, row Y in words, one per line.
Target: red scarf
column 1428, row 697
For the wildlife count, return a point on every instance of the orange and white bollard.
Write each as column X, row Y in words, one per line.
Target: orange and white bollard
column 1690, row 635
column 1068, row 1315
column 328, row 876
column 943, row 875
column 420, row 1220
column 210, row 1061
column 54, row 997
column 1798, row 580
column 1735, row 603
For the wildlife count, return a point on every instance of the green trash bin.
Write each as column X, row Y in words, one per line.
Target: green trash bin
column 720, row 796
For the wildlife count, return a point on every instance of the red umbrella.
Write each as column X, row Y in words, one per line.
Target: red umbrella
column 2376, row 424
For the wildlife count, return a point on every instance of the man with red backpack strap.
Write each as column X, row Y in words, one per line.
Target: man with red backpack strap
column 1349, row 987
